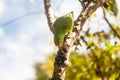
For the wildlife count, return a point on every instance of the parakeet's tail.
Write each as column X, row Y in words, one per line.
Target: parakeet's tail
column 58, row 40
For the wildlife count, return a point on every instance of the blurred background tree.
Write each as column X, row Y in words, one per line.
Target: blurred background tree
column 100, row 62
column 101, row 58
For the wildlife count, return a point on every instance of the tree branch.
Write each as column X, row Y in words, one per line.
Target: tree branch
column 115, row 32
column 20, row 17
column 61, row 60
column 49, row 14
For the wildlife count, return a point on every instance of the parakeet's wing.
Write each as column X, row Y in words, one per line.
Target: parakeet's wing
column 63, row 25
column 59, row 32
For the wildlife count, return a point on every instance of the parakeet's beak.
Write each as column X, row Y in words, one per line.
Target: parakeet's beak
column 72, row 13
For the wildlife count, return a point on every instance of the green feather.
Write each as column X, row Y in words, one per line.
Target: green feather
column 62, row 26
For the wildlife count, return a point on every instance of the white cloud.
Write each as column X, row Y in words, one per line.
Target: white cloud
column 1, row 32
column 71, row 6
column 19, row 58
column 23, row 49
column 17, row 73
column 2, row 8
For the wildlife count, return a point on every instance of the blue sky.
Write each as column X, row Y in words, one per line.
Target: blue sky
column 23, row 42
column 29, row 40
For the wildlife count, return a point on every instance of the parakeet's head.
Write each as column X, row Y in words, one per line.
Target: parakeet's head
column 70, row 14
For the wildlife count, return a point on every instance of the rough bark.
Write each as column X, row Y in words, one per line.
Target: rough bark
column 49, row 14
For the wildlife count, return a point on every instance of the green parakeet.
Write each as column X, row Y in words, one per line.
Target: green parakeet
column 62, row 26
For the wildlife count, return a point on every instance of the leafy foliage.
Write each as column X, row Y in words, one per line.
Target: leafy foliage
column 101, row 61
column 97, row 64
column 44, row 70
column 111, row 5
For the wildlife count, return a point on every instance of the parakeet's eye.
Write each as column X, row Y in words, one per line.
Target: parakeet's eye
column 105, row 5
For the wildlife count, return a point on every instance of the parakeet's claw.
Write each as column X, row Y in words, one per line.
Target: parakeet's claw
column 60, row 47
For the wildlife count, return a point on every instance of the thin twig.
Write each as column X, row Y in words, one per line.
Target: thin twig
column 49, row 14
column 19, row 17
column 35, row 4
column 115, row 32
